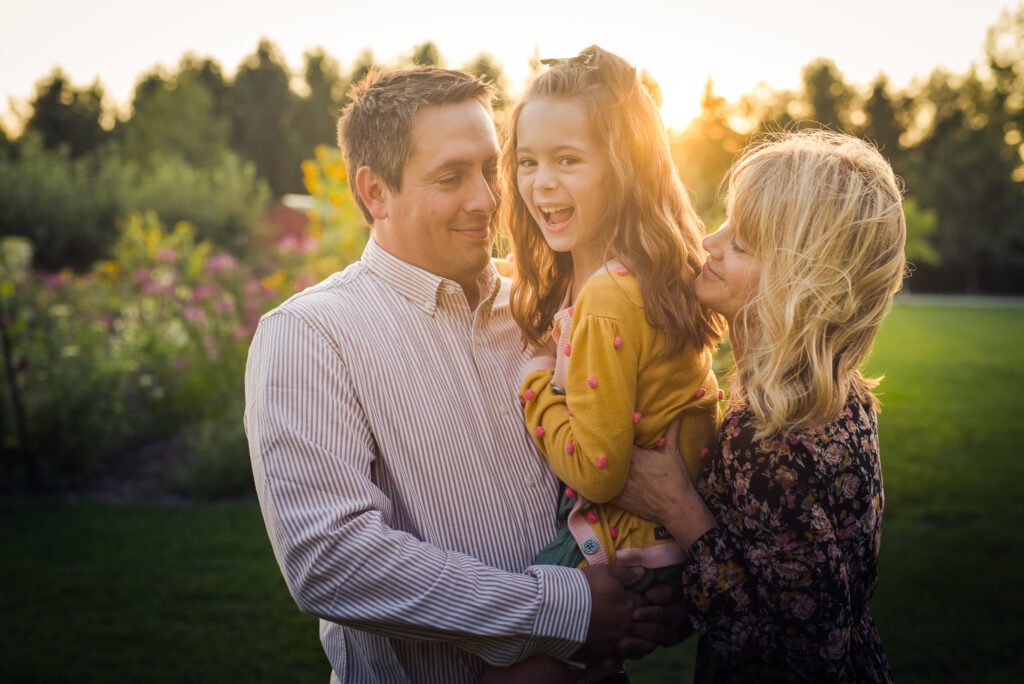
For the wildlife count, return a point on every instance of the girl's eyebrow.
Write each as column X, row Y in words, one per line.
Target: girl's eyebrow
column 557, row 148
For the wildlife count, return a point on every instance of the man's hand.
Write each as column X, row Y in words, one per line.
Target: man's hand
column 612, row 608
column 663, row 622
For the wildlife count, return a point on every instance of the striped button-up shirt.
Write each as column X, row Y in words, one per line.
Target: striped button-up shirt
column 402, row 495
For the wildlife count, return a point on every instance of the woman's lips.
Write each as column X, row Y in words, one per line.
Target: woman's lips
column 707, row 270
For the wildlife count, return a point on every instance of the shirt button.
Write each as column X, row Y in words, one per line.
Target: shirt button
column 502, row 411
column 529, row 482
column 590, row 546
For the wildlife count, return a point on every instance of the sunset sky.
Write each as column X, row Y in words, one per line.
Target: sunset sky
column 738, row 43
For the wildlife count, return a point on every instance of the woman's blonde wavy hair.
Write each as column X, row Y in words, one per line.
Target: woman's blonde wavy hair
column 649, row 223
column 822, row 212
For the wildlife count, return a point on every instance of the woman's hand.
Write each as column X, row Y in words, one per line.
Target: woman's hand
column 657, row 479
column 659, row 489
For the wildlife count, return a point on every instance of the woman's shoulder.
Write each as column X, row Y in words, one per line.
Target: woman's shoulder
column 834, row 445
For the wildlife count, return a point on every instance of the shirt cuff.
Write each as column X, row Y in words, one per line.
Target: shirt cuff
column 564, row 615
column 537, row 363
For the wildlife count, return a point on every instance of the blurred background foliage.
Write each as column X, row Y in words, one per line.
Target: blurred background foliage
column 136, row 252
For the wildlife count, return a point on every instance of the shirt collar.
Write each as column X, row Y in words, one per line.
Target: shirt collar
column 423, row 288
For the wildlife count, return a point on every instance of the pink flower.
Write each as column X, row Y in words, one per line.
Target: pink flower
column 153, row 287
column 224, row 305
column 212, row 352
column 53, row 281
column 167, row 255
column 287, row 244
column 143, row 275
column 220, row 262
column 194, row 314
column 303, row 281
column 241, row 332
column 204, row 291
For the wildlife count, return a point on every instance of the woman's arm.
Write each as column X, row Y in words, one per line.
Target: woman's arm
column 769, row 578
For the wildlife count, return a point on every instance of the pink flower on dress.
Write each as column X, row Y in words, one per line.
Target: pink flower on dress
column 802, row 606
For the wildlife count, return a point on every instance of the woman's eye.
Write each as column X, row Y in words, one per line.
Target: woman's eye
column 736, row 246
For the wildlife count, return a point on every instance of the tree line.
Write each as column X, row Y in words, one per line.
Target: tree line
column 956, row 139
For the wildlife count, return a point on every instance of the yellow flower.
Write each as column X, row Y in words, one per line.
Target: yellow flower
column 274, row 281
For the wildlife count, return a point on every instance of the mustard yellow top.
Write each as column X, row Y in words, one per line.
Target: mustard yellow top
column 620, row 390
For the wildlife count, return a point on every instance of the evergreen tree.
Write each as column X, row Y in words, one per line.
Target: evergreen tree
column 176, row 116
column 882, row 124
column 827, row 94
column 316, row 117
column 427, row 53
column 704, row 152
column 487, row 67
column 263, row 107
column 64, row 115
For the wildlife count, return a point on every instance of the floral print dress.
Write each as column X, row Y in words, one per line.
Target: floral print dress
column 781, row 589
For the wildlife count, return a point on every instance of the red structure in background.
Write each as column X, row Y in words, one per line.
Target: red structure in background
column 288, row 219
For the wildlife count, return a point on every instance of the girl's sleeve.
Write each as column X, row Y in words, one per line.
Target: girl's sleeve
column 780, row 585
column 587, row 433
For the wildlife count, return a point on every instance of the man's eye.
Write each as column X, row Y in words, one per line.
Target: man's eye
column 449, row 180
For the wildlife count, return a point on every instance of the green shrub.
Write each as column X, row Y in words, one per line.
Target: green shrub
column 65, row 207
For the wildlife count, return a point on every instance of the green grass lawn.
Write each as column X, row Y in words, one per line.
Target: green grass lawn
column 116, row 593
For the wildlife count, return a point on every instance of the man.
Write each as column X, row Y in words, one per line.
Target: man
column 401, row 493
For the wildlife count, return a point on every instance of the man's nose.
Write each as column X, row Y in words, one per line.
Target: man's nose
column 484, row 196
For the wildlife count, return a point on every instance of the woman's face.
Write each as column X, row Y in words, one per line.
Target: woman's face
column 730, row 274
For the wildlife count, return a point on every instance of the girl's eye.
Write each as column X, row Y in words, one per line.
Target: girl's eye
column 567, row 161
column 527, row 162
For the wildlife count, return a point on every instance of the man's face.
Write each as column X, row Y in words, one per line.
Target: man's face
column 440, row 221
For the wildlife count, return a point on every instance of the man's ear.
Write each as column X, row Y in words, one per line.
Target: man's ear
column 373, row 191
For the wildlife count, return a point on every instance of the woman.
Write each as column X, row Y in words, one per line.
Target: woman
column 783, row 530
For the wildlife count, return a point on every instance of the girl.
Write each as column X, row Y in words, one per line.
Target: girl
column 607, row 247
column 783, row 531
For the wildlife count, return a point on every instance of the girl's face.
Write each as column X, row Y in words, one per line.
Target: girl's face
column 730, row 274
column 561, row 175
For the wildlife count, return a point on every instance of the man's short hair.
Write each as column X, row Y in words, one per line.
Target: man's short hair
column 375, row 130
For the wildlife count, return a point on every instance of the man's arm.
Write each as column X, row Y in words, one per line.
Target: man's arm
column 313, row 455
